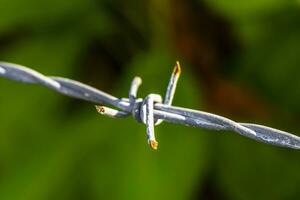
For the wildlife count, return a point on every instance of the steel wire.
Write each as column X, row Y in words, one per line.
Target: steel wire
column 151, row 110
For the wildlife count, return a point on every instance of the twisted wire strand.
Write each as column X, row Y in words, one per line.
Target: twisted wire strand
column 149, row 111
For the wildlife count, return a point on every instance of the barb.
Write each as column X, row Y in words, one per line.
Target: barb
column 150, row 110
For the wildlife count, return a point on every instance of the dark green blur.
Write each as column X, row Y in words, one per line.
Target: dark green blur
column 240, row 59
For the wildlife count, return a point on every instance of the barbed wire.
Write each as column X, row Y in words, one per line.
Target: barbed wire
column 151, row 110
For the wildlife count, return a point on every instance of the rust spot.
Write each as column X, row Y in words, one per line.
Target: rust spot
column 177, row 69
column 153, row 144
column 100, row 109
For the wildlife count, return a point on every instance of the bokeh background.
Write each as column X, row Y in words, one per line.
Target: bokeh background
column 239, row 59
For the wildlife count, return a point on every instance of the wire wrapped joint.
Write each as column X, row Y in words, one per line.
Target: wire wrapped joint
column 152, row 110
column 143, row 109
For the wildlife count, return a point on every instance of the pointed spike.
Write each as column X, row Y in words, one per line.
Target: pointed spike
column 177, row 69
column 110, row 112
column 172, row 84
column 135, row 84
column 153, row 144
column 137, row 80
column 100, row 109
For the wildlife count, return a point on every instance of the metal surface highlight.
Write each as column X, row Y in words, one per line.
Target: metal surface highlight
column 150, row 111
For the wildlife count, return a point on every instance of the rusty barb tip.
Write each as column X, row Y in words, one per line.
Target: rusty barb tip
column 177, row 69
column 153, row 144
column 100, row 109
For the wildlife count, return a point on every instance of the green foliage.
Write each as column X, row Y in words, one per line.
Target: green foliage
column 51, row 148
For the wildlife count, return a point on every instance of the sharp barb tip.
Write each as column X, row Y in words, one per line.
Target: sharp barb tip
column 153, row 144
column 177, row 68
column 100, row 109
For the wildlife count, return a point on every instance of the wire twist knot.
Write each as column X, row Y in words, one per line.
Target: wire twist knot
column 142, row 110
column 151, row 110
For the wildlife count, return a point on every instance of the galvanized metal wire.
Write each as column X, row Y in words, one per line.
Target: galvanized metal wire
column 152, row 110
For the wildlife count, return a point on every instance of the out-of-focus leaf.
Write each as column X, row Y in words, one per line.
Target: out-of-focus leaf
column 257, row 171
column 241, row 10
column 34, row 12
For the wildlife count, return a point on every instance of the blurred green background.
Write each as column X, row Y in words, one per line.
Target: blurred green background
column 239, row 59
